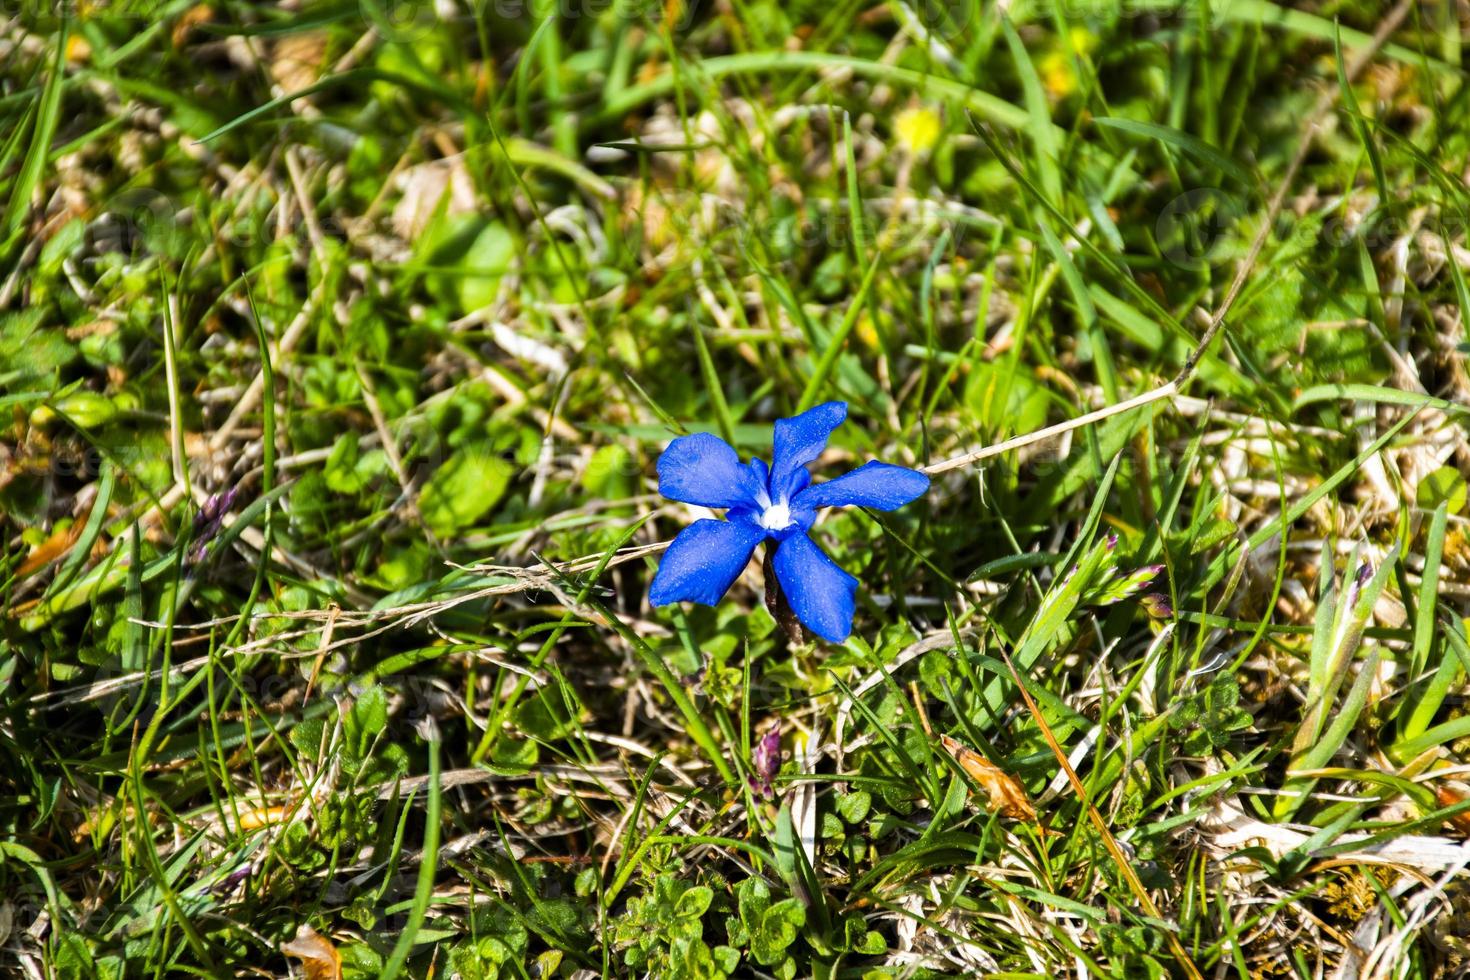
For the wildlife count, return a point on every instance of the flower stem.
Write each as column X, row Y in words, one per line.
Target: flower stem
column 776, row 600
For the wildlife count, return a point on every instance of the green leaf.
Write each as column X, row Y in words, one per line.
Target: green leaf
column 609, row 472
column 347, row 470
column 513, row 756
column 546, row 714
column 486, row 261
column 360, row 960
column 27, row 351
column 558, row 916
column 362, row 724
column 464, row 489
column 87, row 409
column 854, row 807
column 1444, row 486
column 692, row 904
column 73, row 958
column 753, row 897
column 1004, row 398
column 306, row 737
column 1044, row 138
column 368, row 717
column 18, row 204
column 777, row 930
column 1192, row 145
column 725, row 958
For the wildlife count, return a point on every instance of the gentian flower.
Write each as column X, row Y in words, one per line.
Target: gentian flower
column 777, row 504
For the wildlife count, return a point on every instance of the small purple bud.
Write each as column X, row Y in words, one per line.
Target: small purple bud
column 215, row 508
column 210, row 520
column 1365, row 572
column 1157, row 605
column 1112, row 541
column 228, row 882
column 765, row 759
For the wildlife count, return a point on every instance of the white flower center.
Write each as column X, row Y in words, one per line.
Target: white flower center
column 776, row 517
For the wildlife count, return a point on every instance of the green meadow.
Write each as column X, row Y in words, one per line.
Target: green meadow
column 342, row 345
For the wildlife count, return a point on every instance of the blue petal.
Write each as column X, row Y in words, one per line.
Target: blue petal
column 799, row 440
column 820, row 593
column 881, row 486
column 703, row 561
column 703, row 469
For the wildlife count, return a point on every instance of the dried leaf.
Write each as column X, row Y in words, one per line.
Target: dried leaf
column 1448, row 794
column 319, row 958
column 298, row 60
column 192, row 18
column 58, row 544
column 263, row 816
column 1007, row 795
column 425, row 187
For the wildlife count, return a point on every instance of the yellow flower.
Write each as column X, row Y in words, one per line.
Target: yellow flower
column 77, row 49
column 1057, row 69
column 917, row 129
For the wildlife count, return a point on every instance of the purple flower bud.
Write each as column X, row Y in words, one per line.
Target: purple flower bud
column 1365, row 572
column 210, row 521
column 765, row 759
column 1157, row 605
column 1112, row 541
column 228, row 882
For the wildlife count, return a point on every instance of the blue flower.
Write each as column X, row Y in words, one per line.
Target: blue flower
column 776, row 503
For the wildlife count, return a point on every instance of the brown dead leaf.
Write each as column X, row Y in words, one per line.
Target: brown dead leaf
column 58, row 544
column 1448, row 794
column 263, row 817
column 319, row 958
column 298, row 60
column 425, row 188
column 193, row 17
column 92, row 328
column 1007, row 795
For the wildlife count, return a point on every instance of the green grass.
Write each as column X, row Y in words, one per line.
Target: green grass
column 338, row 344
